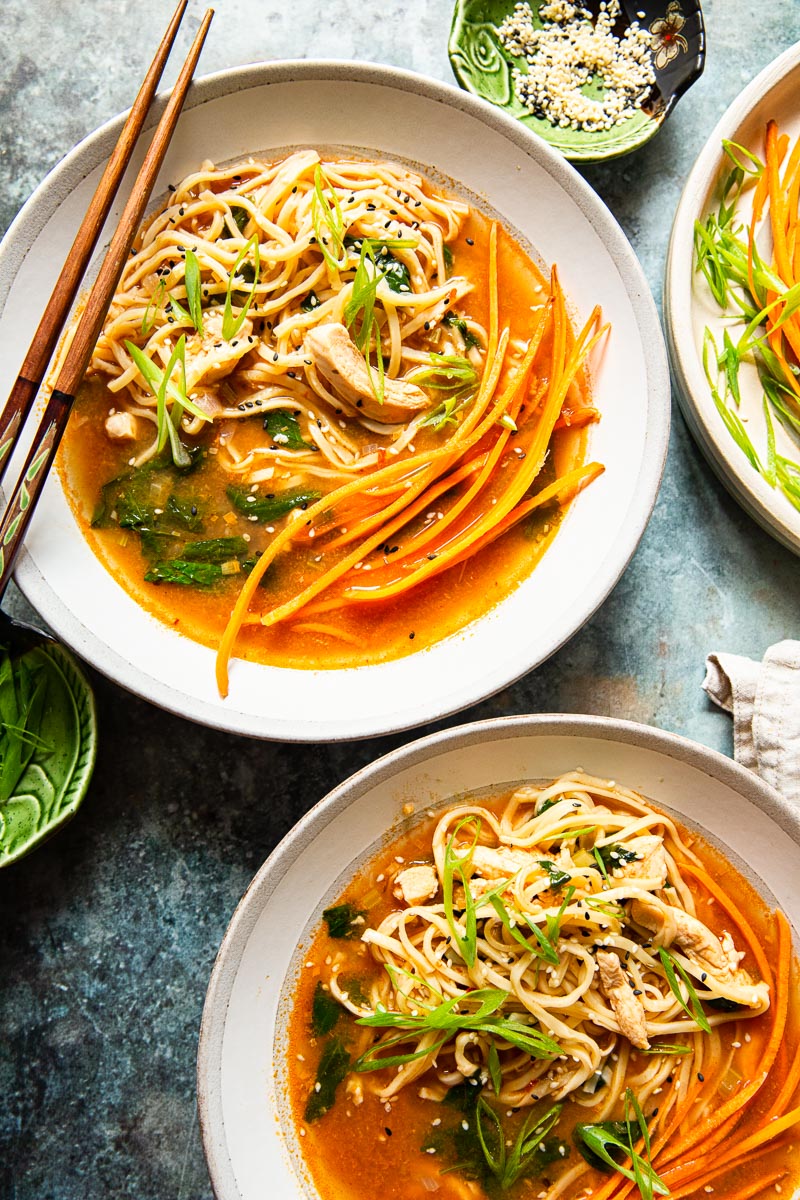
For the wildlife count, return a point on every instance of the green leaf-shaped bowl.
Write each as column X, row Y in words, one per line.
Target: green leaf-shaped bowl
column 57, row 774
column 482, row 66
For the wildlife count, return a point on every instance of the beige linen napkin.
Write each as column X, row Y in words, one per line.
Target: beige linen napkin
column 765, row 701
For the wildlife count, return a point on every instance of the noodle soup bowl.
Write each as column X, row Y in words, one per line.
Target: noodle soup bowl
column 489, row 159
column 243, row 1062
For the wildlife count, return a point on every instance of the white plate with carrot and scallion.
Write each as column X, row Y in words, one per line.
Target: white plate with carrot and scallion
column 732, row 299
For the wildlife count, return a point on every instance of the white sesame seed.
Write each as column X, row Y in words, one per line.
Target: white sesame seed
column 566, row 52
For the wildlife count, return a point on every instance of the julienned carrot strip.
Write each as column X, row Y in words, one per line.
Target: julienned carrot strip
column 520, row 386
column 719, row 1167
column 577, row 418
column 495, row 354
column 565, row 488
column 615, row 1188
column 747, row 1093
column 512, row 495
column 619, row 1187
column 517, row 387
column 789, row 1087
column 759, row 200
column 736, row 915
column 777, row 210
column 776, row 343
column 437, row 489
column 569, row 485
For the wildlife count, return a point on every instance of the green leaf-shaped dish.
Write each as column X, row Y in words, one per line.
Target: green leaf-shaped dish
column 62, row 751
column 482, row 66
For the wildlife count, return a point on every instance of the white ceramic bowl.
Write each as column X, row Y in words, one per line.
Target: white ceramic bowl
column 382, row 112
column 689, row 307
column 248, row 1135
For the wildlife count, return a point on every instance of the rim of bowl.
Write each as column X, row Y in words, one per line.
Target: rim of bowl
column 312, row 824
column 96, row 146
column 749, row 490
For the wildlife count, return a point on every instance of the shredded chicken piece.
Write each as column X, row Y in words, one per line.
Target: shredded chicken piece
column 337, row 357
column 717, row 957
column 673, row 925
column 500, row 862
column 628, row 1008
column 209, row 403
column 651, row 863
column 209, row 357
column 121, row 427
column 416, row 884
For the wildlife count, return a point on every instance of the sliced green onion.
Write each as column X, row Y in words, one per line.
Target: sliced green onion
column 230, row 324
column 193, row 290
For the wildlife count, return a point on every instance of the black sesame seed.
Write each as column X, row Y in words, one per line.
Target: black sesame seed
column 411, row 637
column 701, row 1077
column 470, row 242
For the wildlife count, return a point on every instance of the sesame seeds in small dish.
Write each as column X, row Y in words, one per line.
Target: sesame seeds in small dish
column 594, row 78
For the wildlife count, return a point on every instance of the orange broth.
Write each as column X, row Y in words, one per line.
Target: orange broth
column 370, row 632
column 373, row 1149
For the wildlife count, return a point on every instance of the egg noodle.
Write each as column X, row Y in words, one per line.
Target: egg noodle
column 218, row 215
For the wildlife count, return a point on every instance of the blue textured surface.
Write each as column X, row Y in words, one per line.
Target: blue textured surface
column 108, row 933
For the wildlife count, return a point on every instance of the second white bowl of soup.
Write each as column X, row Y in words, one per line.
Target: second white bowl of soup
column 527, row 942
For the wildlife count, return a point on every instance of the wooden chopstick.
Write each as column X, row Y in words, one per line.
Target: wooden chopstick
column 54, row 419
column 44, row 341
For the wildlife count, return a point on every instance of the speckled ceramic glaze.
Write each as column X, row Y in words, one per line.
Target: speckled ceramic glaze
column 248, row 1134
column 493, row 159
column 484, row 67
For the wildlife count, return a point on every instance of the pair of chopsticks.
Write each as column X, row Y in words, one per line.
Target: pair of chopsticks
column 20, row 401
